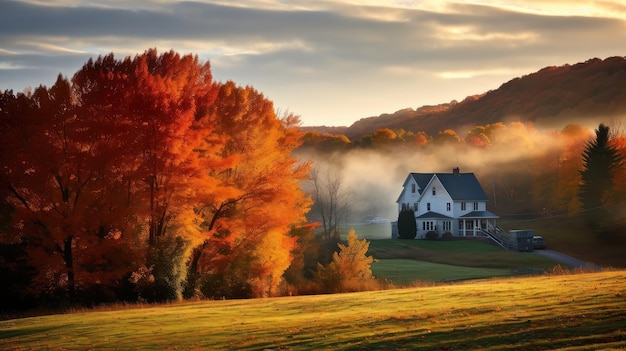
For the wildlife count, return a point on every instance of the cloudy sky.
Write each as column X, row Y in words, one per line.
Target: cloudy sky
column 330, row 61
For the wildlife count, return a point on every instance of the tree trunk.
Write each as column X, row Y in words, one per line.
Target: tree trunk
column 68, row 257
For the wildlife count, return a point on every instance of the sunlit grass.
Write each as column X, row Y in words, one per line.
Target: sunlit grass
column 583, row 311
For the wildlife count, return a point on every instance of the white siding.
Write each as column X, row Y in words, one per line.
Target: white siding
column 409, row 197
column 439, row 204
column 438, row 201
column 469, row 207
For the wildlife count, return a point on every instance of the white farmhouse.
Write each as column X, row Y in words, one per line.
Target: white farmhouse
column 452, row 203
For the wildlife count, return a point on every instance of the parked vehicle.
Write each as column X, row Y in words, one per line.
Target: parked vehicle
column 538, row 242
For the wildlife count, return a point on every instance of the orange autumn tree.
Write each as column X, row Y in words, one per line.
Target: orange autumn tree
column 248, row 246
column 58, row 179
column 113, row 177
column 157, row 105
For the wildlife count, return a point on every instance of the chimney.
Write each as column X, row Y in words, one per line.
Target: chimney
column 456, row 171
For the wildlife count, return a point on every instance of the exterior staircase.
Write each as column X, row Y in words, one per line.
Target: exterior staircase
column 498, row 236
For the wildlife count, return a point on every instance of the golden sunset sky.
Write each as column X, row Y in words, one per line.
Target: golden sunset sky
column 331, row 62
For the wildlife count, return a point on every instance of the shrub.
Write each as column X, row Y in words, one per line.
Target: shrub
column 447, row 236
column 350, row 268
column 165, row 278
column 432, row 235
column 407, row 227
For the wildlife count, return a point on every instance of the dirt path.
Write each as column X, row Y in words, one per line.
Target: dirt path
column 566, row 260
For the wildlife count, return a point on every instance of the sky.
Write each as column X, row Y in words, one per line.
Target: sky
column 332, row 62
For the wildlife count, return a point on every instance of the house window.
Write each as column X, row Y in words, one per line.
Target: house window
column 475, row 206
column 434, row 191
column 416, row 207
column 447, row 226
column 427, row 225
column 428, row 206
column 413, row 188
column 463, row 206
column 448, row 206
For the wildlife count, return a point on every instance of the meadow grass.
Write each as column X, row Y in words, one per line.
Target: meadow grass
column 405, row 272
column 463, row 253
column 573, row 312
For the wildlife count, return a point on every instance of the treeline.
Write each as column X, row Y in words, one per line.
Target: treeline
column 527, row 173
column 588, row 90
column 142, row 179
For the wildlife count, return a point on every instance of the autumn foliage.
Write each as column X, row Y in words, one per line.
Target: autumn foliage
column 142, row 171
column 350, row 268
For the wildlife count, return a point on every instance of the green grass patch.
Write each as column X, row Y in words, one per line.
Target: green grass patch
column 463, row 253
column 575, row 312
column 467, row 246
column 405, row 272
column 370, row 231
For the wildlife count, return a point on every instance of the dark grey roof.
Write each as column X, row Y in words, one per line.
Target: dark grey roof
column 433, row 215
column 462, row 186
column 480, row 214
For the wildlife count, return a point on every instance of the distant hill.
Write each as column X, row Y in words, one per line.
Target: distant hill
column 582, row 93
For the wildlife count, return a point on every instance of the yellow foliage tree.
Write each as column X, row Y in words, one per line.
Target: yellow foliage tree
column 350, row 269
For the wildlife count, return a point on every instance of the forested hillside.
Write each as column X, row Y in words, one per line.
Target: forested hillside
column 551, row 97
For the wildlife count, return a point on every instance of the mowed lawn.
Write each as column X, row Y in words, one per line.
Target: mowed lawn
column 408, row 261
column 574, row 312
column 406, row 272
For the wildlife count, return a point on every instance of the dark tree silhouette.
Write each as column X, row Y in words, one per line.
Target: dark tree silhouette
column 600, row 158
column 407, row 227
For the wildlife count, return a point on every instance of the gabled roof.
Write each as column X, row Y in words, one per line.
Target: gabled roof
column 460, row 186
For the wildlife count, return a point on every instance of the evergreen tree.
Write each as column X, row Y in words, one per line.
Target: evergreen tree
column 599, row 160
column 407, row 227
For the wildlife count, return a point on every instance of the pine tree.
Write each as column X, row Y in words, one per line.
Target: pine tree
column 600, row 158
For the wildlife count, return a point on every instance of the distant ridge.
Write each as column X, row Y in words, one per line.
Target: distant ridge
column 582, row 93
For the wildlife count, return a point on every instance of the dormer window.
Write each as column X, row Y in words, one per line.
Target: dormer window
column 413, row 188
column 434, row 191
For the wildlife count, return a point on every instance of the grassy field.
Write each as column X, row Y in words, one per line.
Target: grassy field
column 405, row 272
column 406, row 261
column 460, row 253
column 567, row 234
column 572, row 312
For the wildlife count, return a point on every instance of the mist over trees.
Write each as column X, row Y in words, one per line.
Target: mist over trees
column 331, row 205
column 583, row 93
column 526, row 172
